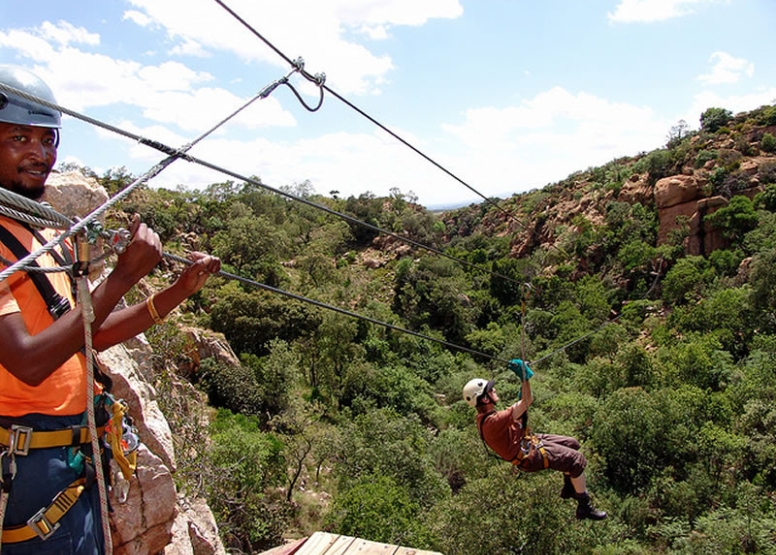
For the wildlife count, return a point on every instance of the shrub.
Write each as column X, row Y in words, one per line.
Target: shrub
column 735, row 219
column 768, row 143
column 766, row 173
column 704, row 156
column 377, row 508
column 659, row 164
column 715, row 118
column 684, row 281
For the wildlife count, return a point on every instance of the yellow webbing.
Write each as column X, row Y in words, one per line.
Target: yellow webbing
column 113, row 433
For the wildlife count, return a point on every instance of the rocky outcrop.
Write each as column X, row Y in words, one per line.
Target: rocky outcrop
column 677, row 200
column 683, row 200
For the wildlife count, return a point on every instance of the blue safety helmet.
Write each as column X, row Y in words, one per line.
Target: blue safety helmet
column 19, row 110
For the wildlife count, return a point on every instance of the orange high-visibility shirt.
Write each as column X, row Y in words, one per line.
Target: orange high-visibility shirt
column 63, row 393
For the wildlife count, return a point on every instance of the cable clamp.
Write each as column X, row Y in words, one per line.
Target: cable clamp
column 118, row 240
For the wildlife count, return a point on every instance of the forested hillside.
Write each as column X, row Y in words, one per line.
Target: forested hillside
column 659, row 356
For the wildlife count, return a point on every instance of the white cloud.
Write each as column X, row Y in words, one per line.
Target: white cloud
column 551, row 135
column 65, row 33
column 315, row 30
column 735, row 103
column 726, row 69
column 137, row 17
column 169, row 93
column 648, row 11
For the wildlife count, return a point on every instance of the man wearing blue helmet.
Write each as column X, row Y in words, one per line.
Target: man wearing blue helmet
column 47, row 495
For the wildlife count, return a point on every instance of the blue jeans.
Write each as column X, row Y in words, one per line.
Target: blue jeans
column 40, row 476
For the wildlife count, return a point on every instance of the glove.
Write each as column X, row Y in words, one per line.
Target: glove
column 520, row 368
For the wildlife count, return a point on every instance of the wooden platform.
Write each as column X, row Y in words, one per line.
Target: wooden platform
column 322, row 543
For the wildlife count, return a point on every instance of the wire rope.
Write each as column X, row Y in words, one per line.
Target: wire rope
column 175, row 154
column 317, row 79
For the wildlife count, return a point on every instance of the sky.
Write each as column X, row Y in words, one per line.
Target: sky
column 502, row 96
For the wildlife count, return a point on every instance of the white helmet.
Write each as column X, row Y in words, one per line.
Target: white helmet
column 19, row 110
column 475, row 389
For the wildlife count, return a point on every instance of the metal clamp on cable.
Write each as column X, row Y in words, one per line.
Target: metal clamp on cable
column 118, row 240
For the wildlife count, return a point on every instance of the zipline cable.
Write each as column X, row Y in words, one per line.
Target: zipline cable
column 333, row 308
column 175, row 154
column 181, row 153
column 339, row 310
column 316, row 79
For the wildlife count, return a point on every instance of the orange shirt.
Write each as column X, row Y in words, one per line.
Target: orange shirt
column 501, row 432
column 63, row 393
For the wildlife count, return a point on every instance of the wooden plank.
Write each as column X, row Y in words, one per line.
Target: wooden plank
column 322, row 543
column 289, row 548
column 366, row 547
column 341, row 547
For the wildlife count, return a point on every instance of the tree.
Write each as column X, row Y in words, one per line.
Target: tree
column 246, row 464
column 768, row 143
column 378, row 509
column 715, row 118
column 677, row 133
column 734, row 220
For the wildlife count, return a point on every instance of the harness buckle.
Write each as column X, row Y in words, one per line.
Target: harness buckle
column 20, row 438
column 41, row 525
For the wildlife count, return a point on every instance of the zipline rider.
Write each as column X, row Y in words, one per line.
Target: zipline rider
column 44, row 442
column 507, row 433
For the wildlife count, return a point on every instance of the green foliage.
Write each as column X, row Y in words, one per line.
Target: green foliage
column 766, row 173
column 713, row 119
column 736, row 219
column 673, row 400
column 749, row 527
column 639, row 433
column 375, row 441
column 431, row 292
column 378, row 509
column 704, row 156
column 684, row 281
column 659, row 164
column 768, row 143
column 512, row 513
column 233, row 388
column 251, row 320
column 763, row 280
column 246, row 462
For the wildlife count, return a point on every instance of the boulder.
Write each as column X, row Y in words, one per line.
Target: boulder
column 677, row 189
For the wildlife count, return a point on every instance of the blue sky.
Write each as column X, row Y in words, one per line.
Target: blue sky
column 508, row 95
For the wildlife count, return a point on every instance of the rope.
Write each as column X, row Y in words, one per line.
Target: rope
column 30, row 211
column 87, row 315
column 3, row 505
